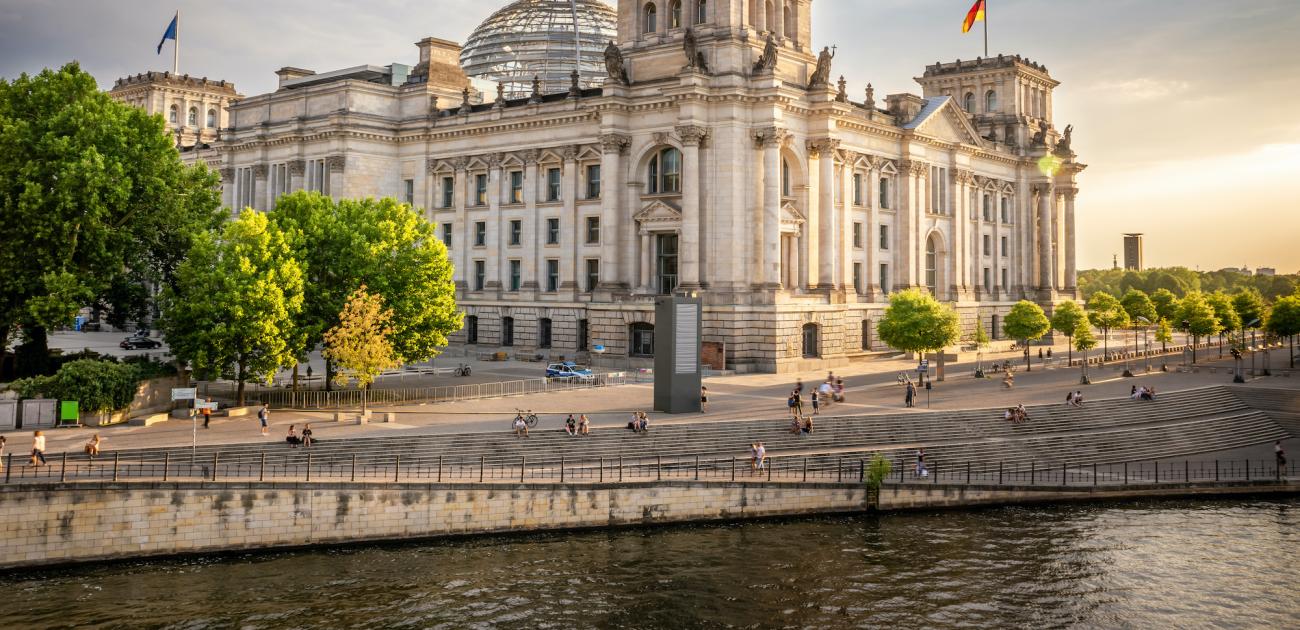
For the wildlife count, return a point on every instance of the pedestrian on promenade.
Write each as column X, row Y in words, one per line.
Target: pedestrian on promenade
column 827, row 391
column 306, row 436
column 753, row 457
column 264, row 416
column 584, row 425
column 1069, row 398
column 798, row 385
column 2, row 452
column 762, row 456
column 910, row 397
column 571, row 426
column 1279, row 456
column 207, row 414
column 1040, row 354
column 93, row 446
column 704, row 399
column 798, row 402
column 816, row 404
column 1049, row 353
column 839, row 390
column 921, row 470
column 38, row 448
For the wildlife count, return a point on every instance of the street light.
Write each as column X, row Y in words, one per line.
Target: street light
column 1251, row 325
column 1187, row 332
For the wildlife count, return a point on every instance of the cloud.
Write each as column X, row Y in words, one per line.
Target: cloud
column 1139, row 89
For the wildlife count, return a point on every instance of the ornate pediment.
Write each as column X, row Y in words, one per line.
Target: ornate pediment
column 942, row 119
column 791, row 219
column 659, row 213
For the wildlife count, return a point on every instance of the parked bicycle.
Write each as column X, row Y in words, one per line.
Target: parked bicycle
column 528, row 417
column 461, row 370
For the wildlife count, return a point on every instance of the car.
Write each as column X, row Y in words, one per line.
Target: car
column 137, row 343
column 568, row 369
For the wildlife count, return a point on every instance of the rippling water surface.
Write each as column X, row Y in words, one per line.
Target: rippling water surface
column 1229, row 564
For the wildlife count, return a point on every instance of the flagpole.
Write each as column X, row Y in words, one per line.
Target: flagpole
column 986, row 28
column 176, row 44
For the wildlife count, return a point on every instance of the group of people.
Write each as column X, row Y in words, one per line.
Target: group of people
column 802, row 425
column 580, row 426
column 830, row 391
column 1145, row 392
column 640, row 423
column 295, row 440
column 1074, row 398
column 1016, row 415
column 757, row 457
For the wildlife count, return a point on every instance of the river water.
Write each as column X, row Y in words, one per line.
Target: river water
column 1160, row 564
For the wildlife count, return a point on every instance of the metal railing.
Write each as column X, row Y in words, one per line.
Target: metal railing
column 300, row 466
column 351, row 398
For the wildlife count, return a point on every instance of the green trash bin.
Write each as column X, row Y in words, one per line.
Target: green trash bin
column 69, row 413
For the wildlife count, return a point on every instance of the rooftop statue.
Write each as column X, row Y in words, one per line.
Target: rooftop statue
column 821, row 77
column 767, row 61
column 694, row 56
column 614, row 65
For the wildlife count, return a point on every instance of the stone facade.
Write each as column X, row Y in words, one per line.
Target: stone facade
column 747, row 175
column 194, row 109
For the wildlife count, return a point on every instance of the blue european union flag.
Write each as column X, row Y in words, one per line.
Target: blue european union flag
column 170, row 34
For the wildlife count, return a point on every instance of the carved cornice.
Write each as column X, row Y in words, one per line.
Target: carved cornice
column 615, row 143
column 336, row 163
column 771, row 137
column 431, row 165
column 692, row 135
column 965, row 177
column 823, row 147
column 297, row 167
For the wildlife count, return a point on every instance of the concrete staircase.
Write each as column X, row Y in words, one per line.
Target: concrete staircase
column 1282, row 405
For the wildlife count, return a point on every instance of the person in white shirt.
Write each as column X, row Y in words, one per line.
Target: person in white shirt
column 761, row 456
column 38, row 448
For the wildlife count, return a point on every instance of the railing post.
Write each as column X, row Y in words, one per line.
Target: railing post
column 936, row 472
column 697, row 467
column 482, row 460
column 1126, row 473
column 63, row 468
column 167, row 459
column 523, row 465
column 968, row 472
column 354, row 465
column 214, row 466
column 805, row 470
column 1187, row 472
column 1065, row 481
column 839, row 469
column 440, row 469
column 116, row 458
column 659, row 467
column 1157, row 470
column 9, row 466
column 261, row 472
column 397, row 468
column 1032, row 473
column 862, row 470
column 733, row 467
column 620, row 469
column 1216, row 470
column 902, row 463
column 1094, row 473
column 602, row 470
column 1247, row 469
column 999, row 473
column 561, row 469
column 308, row 466
column 770, row 466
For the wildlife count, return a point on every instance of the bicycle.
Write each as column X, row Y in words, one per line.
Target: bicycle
column 528, row 417
column 462, row 370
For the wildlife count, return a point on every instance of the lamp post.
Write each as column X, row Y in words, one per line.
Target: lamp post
column 1146, row 345
column 1187, row 330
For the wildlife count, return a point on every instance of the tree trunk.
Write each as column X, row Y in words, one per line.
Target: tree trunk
column 941, row 353
column 1293, row 352
column 1069, row 349
column 1105, row 344
column 295, row 378
column 329, row 374
column 1028, row 366
column 1195, row 340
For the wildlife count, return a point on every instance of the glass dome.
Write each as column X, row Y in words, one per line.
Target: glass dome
column 536, row 38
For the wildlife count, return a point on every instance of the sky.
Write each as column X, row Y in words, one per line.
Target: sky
column 1184, row 110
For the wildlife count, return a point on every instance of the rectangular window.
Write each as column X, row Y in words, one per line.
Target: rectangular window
column 552, row 275
column 480, row 189
column 448, row 192
column 593, row 274
column 507, row 331
column 480, row 233
column 884, row 278
column 471, row 329
column 884, row 237
column 857, row 189
column 446, row 234
column 987, row 277
column 1006, row 215
column 408, row 191
column 593, row 181
column 480, row 274
column 552, row 184
column 582, row 334
column 516, row 274
column 857, row 235
column 318, row 177
column 643, row 341
column 544, row 333
column 986, row 245
column 552, row 231
column 593, row 230
column 1004, row 247
column 866, row 334
column 516, row 231
column 884, row 193
column 857, row 277
column 516, row 186
column 1004, row 278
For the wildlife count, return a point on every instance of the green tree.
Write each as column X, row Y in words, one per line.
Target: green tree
column 1198, row 318
column 1226, row 314
column 1105, row 312
column 1284, row 321
column 981, row 341
column 1250, row 307
column 916, row 322
column 383, row 245
column 1138, row 306
column 1026, row 322
column 95, row 192
column 1165, row 303
column 97, row 386
column 1083, row 341
column 1067, row 319
column 235, row 301
column 359, row 342
column 1164, row 334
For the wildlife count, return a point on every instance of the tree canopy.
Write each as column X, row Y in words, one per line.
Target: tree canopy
column 96, row 194
column 1199, row 315
column 1224, row 311
column 1026, row 322
column 1250, row 307
column 1138, row 307
column 1165, row 303
column 916, row 322
column 1067, row 319
column 1284, row 320
column 235, row 302
column 359, row 342
column 1180, row 280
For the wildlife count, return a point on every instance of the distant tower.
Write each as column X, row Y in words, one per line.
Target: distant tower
column 1133, row 252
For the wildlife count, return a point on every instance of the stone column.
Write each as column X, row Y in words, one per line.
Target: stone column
column 568, row 224
column 689, row 250
column 531, row 263
column 1045, row 263
column 844, row 241
column 336, row 164
column 260, row 201
column 778, row 14
column 228, row 188
column 961, row 231
column 497, row 266
column 824, row 255
column 611, row 172
column 297, row 168
column 908, row 224
column 770, row 141
column 1071, row 270
column 646, row 247
column 872, row 243
column 995, row 275
column 463, row 241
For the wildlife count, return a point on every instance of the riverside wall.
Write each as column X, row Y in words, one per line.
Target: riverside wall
column 72, row 523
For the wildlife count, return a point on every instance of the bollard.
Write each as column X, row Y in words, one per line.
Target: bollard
column 167, row 458
column 116, row 457
column 261, row 471
column 214, row 467
column 309, row 466
column 63, row 468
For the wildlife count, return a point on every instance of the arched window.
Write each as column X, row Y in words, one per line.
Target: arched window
column 641, row 340
column 790, row 27
column 990, row 102
column 664, row 175
column 212, row 118
column 651, row 19
column 675, row 14
column 770, row 13
column 810, row 341
column 193, row 119
column 785, row 178
column 174, row 115
column 968, row 103
column 932, row 266
column 702, row 11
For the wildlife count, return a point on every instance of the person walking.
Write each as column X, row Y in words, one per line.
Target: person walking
column 704, row 399
column 753, row 458
column 816, row 403
column 38, row 448
column 207, row 414
column 921, row 470
column 264, row 416
column 910, row 397
column 761, row 455
column 798, row 402
column 1279, row 456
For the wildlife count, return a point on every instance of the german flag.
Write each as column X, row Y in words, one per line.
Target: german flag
column 976, row 15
